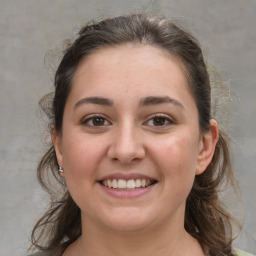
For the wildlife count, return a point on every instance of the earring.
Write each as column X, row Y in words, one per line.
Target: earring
column 60, row 171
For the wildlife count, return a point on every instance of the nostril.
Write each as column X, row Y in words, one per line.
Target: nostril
column 126, row 148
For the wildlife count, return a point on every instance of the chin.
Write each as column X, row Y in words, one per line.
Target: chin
column 128, row 220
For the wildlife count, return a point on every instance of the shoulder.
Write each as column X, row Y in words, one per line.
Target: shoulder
column 242, row 253
column 39, row 254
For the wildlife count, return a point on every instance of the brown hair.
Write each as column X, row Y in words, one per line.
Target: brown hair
column 205, row 218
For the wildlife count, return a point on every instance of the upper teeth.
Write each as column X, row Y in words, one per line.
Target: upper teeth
column 124, row 184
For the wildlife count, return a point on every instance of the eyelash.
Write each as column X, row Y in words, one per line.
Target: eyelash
column 93, row 117
column 160, row 116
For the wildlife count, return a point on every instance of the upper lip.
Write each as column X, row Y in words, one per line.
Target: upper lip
column 126, row 176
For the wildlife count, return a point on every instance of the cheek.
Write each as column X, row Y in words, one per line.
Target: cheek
column 177, row 158
column 81, row 156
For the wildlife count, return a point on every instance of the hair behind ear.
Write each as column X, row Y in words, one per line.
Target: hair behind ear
column 206, row 218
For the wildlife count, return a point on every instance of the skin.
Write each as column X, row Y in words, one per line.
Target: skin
column 128, row 139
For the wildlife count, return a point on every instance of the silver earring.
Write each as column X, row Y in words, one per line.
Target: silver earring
column 60, row 170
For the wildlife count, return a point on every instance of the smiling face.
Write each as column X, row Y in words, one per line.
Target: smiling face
column 130, row 143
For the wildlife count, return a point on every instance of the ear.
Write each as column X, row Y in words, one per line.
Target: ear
column 207, row 146
column 56, row 140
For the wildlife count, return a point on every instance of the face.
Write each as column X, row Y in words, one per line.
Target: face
column 130, row 144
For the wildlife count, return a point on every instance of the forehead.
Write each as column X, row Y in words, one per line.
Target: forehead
column 127, row 74
column 138, row 63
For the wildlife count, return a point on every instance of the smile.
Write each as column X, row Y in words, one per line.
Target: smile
column 130, row 184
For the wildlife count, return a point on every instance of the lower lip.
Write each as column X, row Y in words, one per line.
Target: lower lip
column 127, row 193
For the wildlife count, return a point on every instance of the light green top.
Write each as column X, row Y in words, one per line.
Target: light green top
column 242, row 253
column 237, row 252
column 38, row 254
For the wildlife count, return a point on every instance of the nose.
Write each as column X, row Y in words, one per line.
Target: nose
column 126, row 145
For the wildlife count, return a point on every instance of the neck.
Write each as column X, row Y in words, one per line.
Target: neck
column 151, row 241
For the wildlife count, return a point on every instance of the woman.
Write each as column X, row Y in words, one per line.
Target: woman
column 140, row 158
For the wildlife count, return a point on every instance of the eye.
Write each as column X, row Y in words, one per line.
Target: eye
column 96, row 121
column 159, row 120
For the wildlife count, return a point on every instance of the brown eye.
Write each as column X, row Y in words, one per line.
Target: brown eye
column 98, row 121
column 95, row 121
column 158, row 121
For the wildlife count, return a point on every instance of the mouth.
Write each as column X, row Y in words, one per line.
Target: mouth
column 131, row 184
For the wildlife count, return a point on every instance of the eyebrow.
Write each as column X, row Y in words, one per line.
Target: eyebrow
column 156, row 100
column 95, row 100
column 148, row 101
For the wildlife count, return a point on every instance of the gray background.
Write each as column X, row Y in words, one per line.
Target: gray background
column 29, row 28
